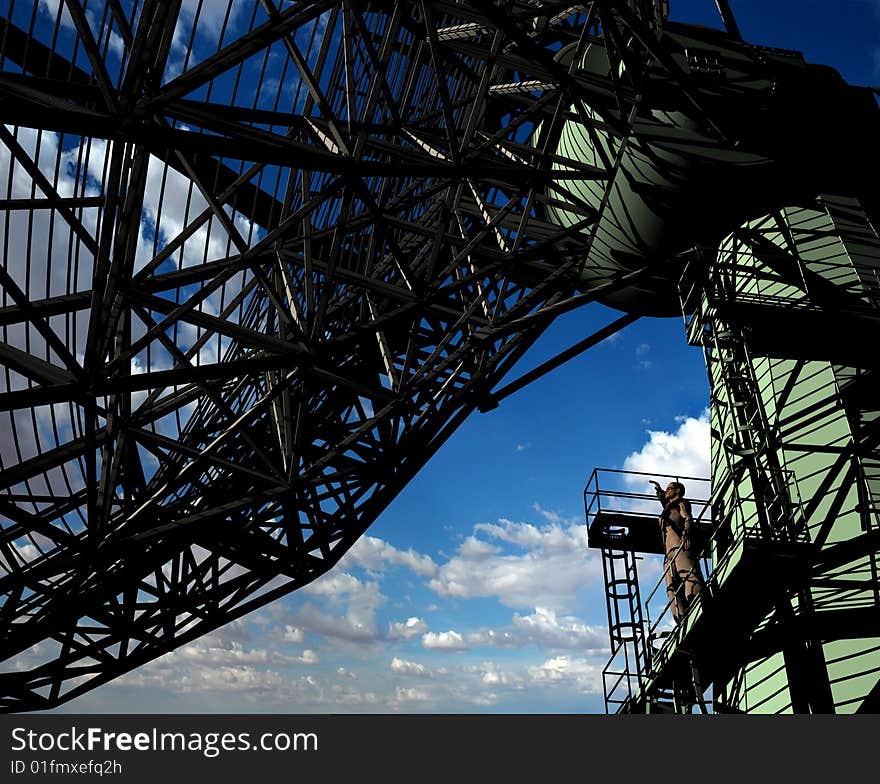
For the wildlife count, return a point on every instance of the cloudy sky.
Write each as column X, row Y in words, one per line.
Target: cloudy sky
column 437, row 609
column 475, row 591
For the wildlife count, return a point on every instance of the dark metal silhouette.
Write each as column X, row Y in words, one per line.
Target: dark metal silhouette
column 257, row 267
column 232, row 339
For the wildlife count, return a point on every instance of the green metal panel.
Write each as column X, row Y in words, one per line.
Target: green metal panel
column 814, row 414
column 852, row 671
column 765, row 687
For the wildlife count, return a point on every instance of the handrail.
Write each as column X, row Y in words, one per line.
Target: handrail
column 628, row 667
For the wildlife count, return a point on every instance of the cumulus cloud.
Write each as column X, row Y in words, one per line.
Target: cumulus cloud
column 217, row 664
column 234, row 655
column 346, row 697
column 577, row 674
column 293, row 634
column 491, row 674
column 552, row 539
column 410, row 695
column 445, row 641
column 544, row 628
column 338, row 584
column 476, row 549
column 521, row 564
column 684, row 452
column 406, row 630
column 230, row 678
column 404, row 667
column 357, row 623
column 495, row 638
column 355, row 626
column 236, row 631
column 223, row 648
column 375, row 554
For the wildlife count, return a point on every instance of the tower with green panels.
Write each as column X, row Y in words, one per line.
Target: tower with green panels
column 794, row 404
column 744, row 199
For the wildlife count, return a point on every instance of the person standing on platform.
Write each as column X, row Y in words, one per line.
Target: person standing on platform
column 680, row 566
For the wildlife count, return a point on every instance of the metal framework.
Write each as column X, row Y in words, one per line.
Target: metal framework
column 257, row 266
column 260, row 259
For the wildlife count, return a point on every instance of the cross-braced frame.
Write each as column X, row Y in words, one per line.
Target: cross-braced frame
column 256, row 268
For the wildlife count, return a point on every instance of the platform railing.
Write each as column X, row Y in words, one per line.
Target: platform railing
column 711, row 560
column 731, row 282
column 607, row 492
column 659, row 602
column 614, row 501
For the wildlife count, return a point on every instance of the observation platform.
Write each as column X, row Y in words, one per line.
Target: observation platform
column 621, row 518
column 820, row 317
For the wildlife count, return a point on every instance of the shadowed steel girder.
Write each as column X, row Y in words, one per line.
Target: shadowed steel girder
column 256, row 268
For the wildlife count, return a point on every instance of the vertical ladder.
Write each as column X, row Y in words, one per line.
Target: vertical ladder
column 752, row 446
column 626, row 627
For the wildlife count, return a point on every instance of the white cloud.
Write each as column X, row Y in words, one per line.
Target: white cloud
column 492, row 675
column 577, row 674
column 552, row 539
column 116, row 44
column 336, row 584
column 236, row 631
column 352, row 627
column 410, row 695
column 553, row 517
column 230, row 678
column 555, row 565
column 684, row 452
column 476, row 549
column 235, row 655
column 545, row 628
column 294, row 634
column 374, row 554
column 444, row 641
column 404, row 667
column 204, row 667
column 212, row 12
column 349, row 698
column 357, row 623
column 411, row 627
column 495, row 638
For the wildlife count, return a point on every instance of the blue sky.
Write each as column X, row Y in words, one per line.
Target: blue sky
column 475, row 590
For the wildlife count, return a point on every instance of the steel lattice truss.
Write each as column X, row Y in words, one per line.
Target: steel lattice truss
column 259, row 261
